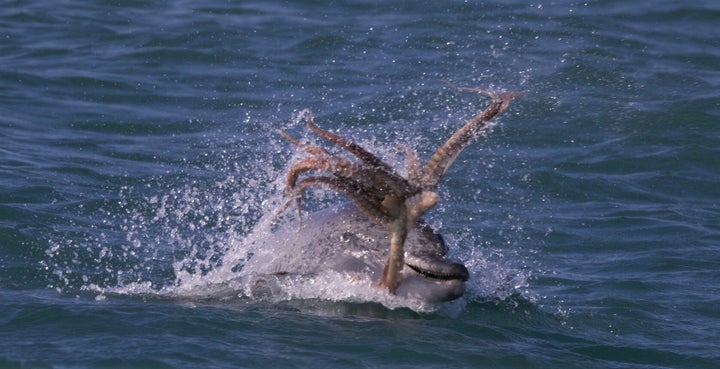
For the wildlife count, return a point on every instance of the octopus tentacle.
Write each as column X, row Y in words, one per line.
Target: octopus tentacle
column 339, row 167
column 379, row 167
column 320, row 159
column 446, row 154
column 396, row 256
column 355, row 149
column 367, row 206
column 413, row 164
column 374, row 179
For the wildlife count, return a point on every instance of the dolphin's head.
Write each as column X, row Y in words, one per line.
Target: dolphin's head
column 343, row 240
column 427, row 273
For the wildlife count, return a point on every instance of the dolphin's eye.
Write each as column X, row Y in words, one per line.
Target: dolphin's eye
column 346, row 237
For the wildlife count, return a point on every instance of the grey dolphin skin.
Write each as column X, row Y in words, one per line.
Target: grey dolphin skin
column 343, row 240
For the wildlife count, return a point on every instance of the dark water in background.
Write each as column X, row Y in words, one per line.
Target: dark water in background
column 137, row 145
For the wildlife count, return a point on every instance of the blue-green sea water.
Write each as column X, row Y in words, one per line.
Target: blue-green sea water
column 139, row 149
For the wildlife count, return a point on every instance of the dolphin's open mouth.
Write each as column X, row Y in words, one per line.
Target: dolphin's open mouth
column 440, row 269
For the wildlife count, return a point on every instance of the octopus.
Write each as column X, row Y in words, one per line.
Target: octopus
column 376, row 188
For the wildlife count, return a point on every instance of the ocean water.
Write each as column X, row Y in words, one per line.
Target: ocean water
column 139, row 151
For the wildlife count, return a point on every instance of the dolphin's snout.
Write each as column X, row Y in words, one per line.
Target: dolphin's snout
column 437, row 268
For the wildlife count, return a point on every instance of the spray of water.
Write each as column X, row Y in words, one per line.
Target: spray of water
column 188, row 237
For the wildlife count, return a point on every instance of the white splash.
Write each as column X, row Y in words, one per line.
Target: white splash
column 189, row 241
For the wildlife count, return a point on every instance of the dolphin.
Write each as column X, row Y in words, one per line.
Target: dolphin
column 343, row 240
column 379, row 236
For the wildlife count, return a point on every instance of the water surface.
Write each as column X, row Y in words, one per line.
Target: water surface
column 138, row 149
